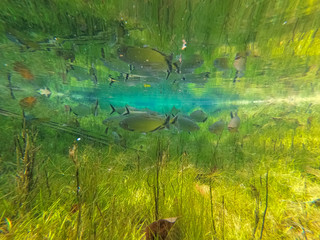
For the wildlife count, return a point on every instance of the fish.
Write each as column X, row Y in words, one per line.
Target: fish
column 81, row 110
column 234, row 123
column 146, row 60
column 199, row 116
column 217, row 127
column 23, row 70
column 46, row 92
column 221, row 64
column 80, row 73
column 114, row 120
column 144, row 122
column 185, row 124
column 146, row 85
column 239, row 64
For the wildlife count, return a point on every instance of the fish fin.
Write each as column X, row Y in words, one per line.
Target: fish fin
column 231, row 114
column 167, row 122
column 113, row 109
column 174, row 120
column 127, row 111
column 106, row 131
column 168, row 74
column 205, row 119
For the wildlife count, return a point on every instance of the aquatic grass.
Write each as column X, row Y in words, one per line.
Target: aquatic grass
column 118, row 198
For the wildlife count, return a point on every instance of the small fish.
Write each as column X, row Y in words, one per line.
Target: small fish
column 144, row 122
column 185, row 124
column 234, row 123
column 23, row 70
column 46, row 92
column 199, row 116
column 28, row 102
column 240, row 65
column 217, row 127
column 146, row 85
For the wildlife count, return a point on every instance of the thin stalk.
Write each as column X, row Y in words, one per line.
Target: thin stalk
column 265, row 210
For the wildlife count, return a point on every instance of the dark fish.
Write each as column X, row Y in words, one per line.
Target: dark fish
column 185, row 124
column 199, row 116
column 217, row 127
column 146, row 61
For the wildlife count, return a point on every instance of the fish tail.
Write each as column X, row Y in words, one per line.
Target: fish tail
column 113, row 109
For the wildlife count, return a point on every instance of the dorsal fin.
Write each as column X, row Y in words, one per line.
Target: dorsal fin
column 231, row 114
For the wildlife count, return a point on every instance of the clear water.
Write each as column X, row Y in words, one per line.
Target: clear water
column 259, row 58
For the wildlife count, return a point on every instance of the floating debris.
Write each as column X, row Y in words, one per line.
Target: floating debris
column 28, row 102
column 23, row 70
column 46, row 92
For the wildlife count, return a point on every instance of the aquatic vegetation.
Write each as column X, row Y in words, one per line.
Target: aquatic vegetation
column 115, row 119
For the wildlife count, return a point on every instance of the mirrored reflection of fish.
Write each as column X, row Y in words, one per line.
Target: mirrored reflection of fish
column 23, row 70
column 187, row 64
column 199, row 116
column 146, row 61
column 185, row 124
column 217, row 127
column 93, row 73
column 28, row 102
column 144, row 122
column 221, row 64
column 240, row 65
column 234, row 123
column 82, row 110
column 80, row 73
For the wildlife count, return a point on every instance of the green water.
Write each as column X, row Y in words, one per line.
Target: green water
column 63, row 63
